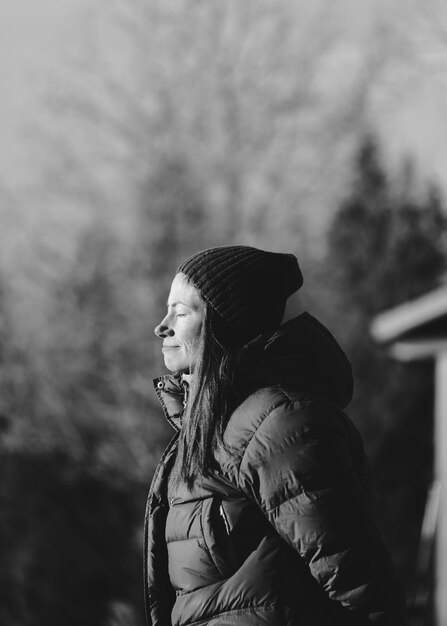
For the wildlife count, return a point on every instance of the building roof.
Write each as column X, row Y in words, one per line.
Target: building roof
column 415, row 329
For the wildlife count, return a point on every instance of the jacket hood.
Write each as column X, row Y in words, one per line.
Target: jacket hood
column 302, row 355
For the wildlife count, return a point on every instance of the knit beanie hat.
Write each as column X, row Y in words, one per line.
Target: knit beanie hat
column 246, row 287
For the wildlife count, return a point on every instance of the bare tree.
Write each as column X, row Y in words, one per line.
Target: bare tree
column 262, row 99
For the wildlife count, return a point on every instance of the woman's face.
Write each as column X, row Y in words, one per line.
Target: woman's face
column 180, row 328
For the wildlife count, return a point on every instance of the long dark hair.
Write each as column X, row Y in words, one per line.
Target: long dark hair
column 217, row 387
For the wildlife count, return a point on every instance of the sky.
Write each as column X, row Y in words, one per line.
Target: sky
column 36, row 37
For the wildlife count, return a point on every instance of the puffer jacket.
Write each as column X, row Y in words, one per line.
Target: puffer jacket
column 282, row 533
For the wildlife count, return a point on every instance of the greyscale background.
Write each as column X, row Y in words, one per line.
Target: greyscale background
column 135, row 132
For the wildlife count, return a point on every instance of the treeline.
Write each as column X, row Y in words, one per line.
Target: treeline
column 80, row 428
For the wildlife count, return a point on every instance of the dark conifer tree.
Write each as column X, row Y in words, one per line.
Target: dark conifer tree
column 386, row 246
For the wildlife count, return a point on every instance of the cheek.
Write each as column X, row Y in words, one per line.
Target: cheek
column 190, row 339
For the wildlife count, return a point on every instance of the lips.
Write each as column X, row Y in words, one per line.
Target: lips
column 166, row 348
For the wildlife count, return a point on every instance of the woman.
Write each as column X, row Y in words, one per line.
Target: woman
column 259, row 510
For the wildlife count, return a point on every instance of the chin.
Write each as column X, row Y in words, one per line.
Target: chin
column 176, row 365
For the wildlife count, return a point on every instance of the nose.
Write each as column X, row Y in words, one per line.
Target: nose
column 163, row 329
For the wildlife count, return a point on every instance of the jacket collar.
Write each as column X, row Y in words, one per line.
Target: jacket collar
column 171, row 391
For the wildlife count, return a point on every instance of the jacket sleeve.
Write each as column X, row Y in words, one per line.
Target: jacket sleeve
column 302, row 467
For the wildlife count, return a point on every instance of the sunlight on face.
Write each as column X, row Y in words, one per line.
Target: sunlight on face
column 180, row 328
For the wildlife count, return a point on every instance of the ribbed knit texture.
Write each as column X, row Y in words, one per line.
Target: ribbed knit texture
column 247, row 287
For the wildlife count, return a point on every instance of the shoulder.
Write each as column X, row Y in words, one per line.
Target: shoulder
column 274, row 425
column 262, row 409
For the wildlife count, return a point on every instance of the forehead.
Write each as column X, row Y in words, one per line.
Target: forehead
column 183, row 292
